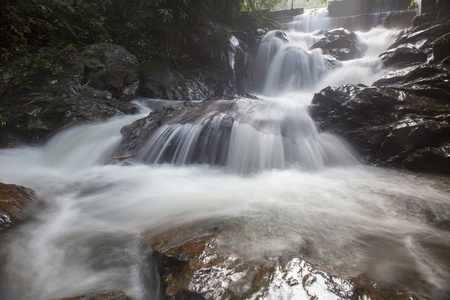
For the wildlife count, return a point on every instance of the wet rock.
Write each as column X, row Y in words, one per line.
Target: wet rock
column 195, row 263
column 341, row 44
column 211, row 144
column 414, row 45
column 35, row 116
column 103, row 295
column 15, row 202
column 402, row 121
column 110, row 67
column 137, row 133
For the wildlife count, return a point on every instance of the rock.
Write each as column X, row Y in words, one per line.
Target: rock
column 195, row 263
column 15, row 202
column 110, row 67
column 400, row 20
column 402, row 121
column 34, row 116
column 160, row 81
column 208, row 148
column 414, row 45
column 136, row 134
column 88, row 90
column 433, row 12
column 103, row 295
column 341, row 44
column 441, row 47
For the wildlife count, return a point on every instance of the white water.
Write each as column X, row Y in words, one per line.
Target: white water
column 306, row 195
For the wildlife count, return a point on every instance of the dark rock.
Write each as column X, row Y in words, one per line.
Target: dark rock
column 110, row 67
column 15, row 203
column 136, row 134
column 34, row 116
column 103, row 295
column 433, row 12
column 414, row 45
column 441, row 47
column 341, row 44
column 160, row 81
column 402, row 121
column 400, row 20
column 88, row 90
column 210, row 145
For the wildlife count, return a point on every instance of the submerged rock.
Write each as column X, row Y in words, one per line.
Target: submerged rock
column 341, row 44
column 15, row 202
column 195, row 263
column 403, row 121
column 103, row 295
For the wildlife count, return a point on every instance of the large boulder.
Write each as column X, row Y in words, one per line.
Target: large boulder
column 341, row 44
column 111, row 68
column 402, row 121
column 15, row 203
column 195, row 263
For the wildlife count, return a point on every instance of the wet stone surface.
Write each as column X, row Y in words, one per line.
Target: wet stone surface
column 194, row 264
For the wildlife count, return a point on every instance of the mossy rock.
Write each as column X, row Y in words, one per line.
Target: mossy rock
column 441, row 47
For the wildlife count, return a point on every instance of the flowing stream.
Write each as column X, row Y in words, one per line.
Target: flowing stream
column 295, row 188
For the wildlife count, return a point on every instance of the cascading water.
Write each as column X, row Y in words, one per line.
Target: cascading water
column 306, row 192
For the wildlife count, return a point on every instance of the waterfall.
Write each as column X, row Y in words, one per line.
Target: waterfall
column 291, row 190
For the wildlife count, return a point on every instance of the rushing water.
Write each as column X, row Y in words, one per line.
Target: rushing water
column 296, row 190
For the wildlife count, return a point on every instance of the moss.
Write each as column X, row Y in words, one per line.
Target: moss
column 441, row 47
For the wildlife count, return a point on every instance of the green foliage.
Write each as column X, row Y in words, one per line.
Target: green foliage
column 33, row 32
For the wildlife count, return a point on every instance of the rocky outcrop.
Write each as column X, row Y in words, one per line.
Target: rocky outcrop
column 194, row 263
column 402, row 121
column 103, row 295
column 341, row 44
column 161, row 81
column 414, row 45
column 91, row 88
column 15, row 202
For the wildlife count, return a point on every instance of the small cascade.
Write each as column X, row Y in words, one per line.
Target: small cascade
column 294, row 68
column 85, row 146
column 202, row 142
column 248, row 136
